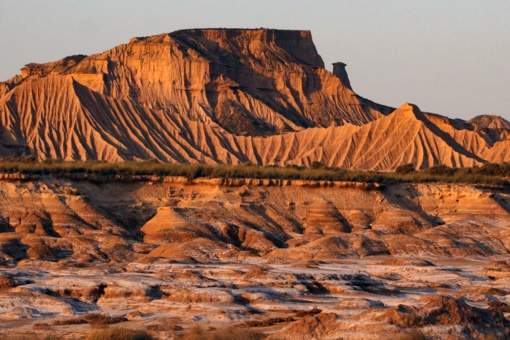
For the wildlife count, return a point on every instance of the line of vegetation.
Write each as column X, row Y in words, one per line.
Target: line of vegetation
column 487, row 174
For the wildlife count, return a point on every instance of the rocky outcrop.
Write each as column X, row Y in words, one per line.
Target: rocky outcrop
column 225, row 96
column 274, row 80
column 341, row 73
column 292, row 259
column 53, row 220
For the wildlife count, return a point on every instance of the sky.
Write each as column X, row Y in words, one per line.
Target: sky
column 450, row 57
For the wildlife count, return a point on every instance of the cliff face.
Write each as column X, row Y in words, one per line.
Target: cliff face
column 204, row 96
column 163, row 252
column 273, row 80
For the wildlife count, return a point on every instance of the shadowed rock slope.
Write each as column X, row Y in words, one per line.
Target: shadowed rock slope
column 291, row 260
column 224, row 96
column 52, row 219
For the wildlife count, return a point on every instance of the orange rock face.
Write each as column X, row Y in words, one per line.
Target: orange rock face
column 287, row 260
column 205, row 96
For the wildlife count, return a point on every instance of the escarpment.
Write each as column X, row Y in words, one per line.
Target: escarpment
column 293, row 260
column 225, row 96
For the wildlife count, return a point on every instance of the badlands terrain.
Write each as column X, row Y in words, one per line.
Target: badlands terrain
column 230, row 96
column 284, row 259
column 206, row 257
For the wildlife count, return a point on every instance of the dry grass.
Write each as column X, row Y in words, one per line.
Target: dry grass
column 118, row 334
column 230, row 333
column 41, row 326
column 163, row 328
column 412, row 335
column 32, row 336
column 488, row 174
column 94, row 319
column 268, row 322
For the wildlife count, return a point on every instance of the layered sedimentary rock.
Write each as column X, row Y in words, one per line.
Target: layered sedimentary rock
column 225, row 96
column 270, row 77
column 289, row 261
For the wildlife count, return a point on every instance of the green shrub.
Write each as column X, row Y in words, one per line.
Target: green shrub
column 492, row 174
column 317, row 165
column 441, row 170
column 405, row 169
column 493, row 169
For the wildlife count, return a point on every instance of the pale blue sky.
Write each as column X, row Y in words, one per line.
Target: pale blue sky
column 449, row 57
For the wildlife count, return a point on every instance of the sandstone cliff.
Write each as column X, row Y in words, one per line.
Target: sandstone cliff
column 205, row 96
column 273, row 78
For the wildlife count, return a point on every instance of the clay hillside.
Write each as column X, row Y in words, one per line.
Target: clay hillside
column 226, row 96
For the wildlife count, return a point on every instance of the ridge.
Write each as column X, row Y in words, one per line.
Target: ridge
column 223, row 96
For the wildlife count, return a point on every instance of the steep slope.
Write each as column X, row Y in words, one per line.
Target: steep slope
column 225, row 96
column 466, row 134
column 405, row 136
column 486, row 136
column 46, row 117
column 99, row 127
column 499, row 153
column 247, row 81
